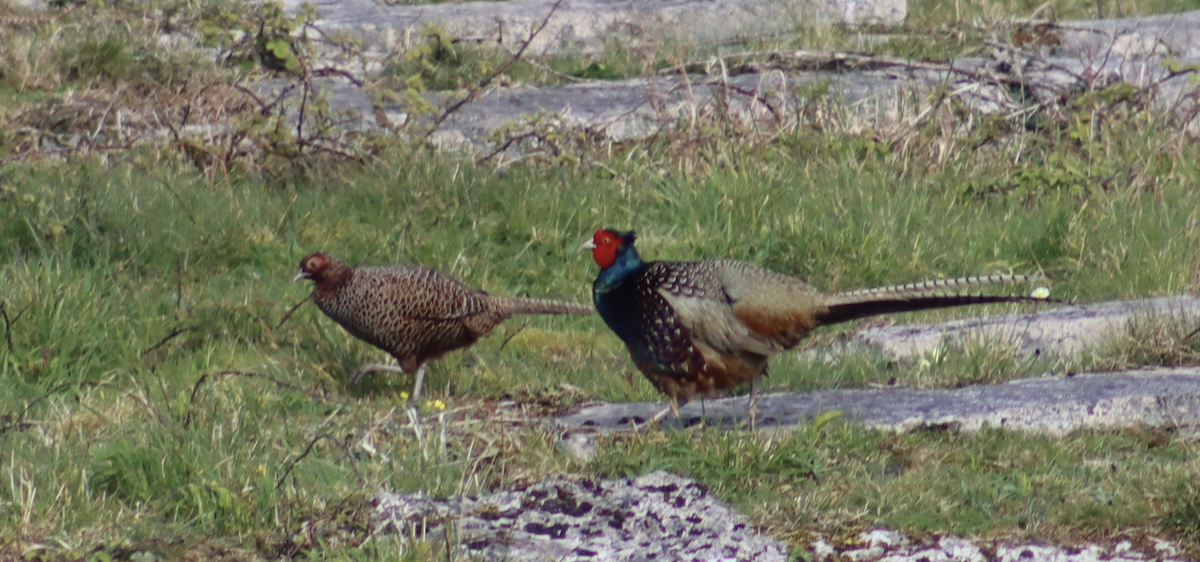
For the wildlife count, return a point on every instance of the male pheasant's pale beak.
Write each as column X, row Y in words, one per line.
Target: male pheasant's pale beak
column 301, row 275
column 588, row 245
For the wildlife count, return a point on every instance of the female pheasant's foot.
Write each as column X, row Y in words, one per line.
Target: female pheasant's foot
column 418, row 385
column 358, row 375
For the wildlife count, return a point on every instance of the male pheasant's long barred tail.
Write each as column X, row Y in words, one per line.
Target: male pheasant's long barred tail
column 942, row 286
column 540, row 306
column 942, row 293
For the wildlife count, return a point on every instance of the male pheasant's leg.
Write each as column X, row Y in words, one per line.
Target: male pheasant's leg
column 373, row 368
column 752, row 404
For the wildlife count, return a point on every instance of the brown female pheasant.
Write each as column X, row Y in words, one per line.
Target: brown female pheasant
column 706, row 326
column 414, row 313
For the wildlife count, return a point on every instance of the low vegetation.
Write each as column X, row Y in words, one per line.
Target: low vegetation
column 167, row 393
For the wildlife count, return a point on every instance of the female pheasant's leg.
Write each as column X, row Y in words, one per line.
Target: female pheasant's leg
column 419, row 383
column 373, row 368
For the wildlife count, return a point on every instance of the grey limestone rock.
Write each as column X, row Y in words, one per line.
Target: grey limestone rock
column 883, row 545
column 1053, row 405
column 1063, row 331
column 658, row 516
column 582, row 26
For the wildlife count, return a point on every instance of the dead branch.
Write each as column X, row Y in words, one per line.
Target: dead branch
column 453, row 108
column 207, row 376
column 292, row 310
column 307, row 450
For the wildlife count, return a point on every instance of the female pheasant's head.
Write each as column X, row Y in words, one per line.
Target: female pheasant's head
column 320, row 267
column 609, row 246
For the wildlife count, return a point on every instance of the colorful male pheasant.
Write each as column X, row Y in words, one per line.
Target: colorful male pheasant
column 414, row 313
column 698, row 328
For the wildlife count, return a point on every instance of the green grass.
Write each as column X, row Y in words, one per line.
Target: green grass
column 157, row 398
column 150, row 390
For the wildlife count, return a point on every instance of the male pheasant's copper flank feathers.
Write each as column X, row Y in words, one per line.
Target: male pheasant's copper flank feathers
column 705, row 326
column 413, row 313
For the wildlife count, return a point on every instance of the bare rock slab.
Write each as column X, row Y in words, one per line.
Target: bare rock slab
column 1053, row 405
column 658, row 516
column 580, row 26
column 1064, row 331
column 1172, row 35
column 893, row 546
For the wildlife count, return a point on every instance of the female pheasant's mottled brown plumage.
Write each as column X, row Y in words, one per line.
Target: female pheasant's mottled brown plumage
column 414, row 313
column 706, row 326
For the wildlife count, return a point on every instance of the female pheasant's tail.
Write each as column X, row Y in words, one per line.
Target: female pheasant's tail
column 943, row 293
column 512, row 305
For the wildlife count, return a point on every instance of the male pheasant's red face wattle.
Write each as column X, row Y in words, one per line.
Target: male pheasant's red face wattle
column 604, row 247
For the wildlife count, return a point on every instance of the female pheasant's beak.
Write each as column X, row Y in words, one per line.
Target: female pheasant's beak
column 588, row 245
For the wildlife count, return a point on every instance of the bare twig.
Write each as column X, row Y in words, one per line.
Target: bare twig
column 307, row 450
column 292, row 310
column 322, row 148
column 206, row 376
column 20, row 419
column 322, row 72
column 178, row 331
column 530, row 62
column 509, row 337
column 499, row 71
column 9, row 322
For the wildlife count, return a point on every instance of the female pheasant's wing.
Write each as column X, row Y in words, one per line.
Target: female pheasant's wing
column 422, row 293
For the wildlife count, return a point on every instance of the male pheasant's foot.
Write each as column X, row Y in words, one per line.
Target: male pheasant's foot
column 659, row 417
column 358, row 375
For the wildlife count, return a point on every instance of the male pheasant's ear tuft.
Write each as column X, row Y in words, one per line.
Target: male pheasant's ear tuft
column 605, row 244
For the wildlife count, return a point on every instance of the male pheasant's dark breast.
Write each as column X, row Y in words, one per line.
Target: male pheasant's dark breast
column 648, row 324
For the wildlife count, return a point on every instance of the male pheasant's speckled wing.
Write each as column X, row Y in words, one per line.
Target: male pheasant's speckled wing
column 422, row 293
column 738, row 307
